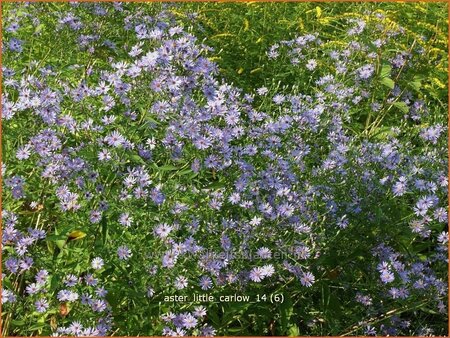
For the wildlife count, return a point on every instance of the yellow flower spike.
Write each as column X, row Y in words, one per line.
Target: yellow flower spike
column 438, row 83
column 221, row 35
column 301, row 26
column 318, row 12
column 246, row 25
column 324, row 21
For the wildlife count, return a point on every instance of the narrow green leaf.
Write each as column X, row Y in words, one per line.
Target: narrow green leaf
column 401, row 106
column 385, row 70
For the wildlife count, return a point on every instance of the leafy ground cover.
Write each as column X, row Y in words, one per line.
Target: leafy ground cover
column 224, row 169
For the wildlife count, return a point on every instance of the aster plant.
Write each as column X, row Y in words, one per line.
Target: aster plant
column 133, row 171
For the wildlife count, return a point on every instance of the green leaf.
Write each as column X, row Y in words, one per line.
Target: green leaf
column 385, row 70
column 294, row 331
column 56, row 237
column 416, row 83
column 388, row 82
column 428, row 310
column 60, row 240
column 167, row 168
column 39, row 28
column 104, row 226
column 36, row 327
column 17, row 322
column 383, row 132
column 60, row 243
column 334, row 306
column 402, row 106
column 50, row 247
column 213, row 316
column 137, row 158
column 9, row 249
column 185, row 172
column 286, row 311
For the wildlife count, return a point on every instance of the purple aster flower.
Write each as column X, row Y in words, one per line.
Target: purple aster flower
column 432, row 133
column 307, row 279
column 386, row 276
column 15, row 45
column 169, row 259
column 189, row 321
column 202, row 142
column 302, row 251
column 8, row 296
column 421, row 207
column 26, row 263
column 33, row 288
column 70, row 280
column 163, row 230
column 370, row 331
column 400, row 186
column 124, row 252
column 90, row 280
column 205, row 283
column 101, row 292
column 104, row 155
column 364, row 299
column 97, row 263
column 75, row 328
column 67, row 295
column 255, row 221
column 262, row 91
column 41, row 305
column 394, row 292
column 440, row 214
column 23, row 152
column 125, row 219
column 267, row 270
column 181, row 282
column 208, row 331
column 279, row 99
column 196, row 165
column 95, row 216
column 443, row 237
column 115, row 139
column 13, row 27
column 311, row 64
column 41, row 276
column 365, row 71
column 12, row 264
column 257, row 274
column 264, row 253
column 234, row 198
column 157, row 196
column 200, row 311
column 98, row 305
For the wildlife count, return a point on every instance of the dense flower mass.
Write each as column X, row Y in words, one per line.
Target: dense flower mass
column 133, row 172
